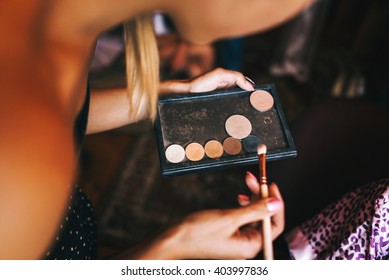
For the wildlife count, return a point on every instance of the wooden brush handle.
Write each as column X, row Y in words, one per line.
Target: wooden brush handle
column 266, row 229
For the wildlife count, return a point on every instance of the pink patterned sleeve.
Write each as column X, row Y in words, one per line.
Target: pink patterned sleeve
column 355, row 227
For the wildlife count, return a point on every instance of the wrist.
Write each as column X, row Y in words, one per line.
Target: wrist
column 173, row 87
column 170, row 244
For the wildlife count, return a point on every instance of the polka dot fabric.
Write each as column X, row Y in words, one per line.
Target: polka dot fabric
column 356, row 227
column 77, row 236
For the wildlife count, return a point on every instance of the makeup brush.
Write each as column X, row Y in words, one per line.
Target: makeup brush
column 266, row 224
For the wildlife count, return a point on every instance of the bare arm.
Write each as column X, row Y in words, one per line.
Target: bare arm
column 36, row 162
column 109, row 108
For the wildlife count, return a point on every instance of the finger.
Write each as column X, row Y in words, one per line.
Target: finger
column 243, row 200
column 252, row 183
column 243, row 83
column 274, row 191
column 230, row 78
column 278, row 220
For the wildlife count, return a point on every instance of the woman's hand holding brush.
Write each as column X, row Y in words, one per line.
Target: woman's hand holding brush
column 220, row 234
column 274, row 199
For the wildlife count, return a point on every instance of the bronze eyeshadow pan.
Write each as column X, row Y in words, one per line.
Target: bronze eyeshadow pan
column 232, row 146
column 199, row 124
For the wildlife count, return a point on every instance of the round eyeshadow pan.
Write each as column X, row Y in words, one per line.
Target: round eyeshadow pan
column 175, row 153
column 232, row 146
column 250, row 144
column 261, row 100
column 238, row 126
column 194, row 152
column 213, row 149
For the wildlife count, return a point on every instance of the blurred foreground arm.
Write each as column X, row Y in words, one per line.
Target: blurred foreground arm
column 37, row 160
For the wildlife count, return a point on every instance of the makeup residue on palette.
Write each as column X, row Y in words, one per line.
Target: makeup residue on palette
column 185, row 122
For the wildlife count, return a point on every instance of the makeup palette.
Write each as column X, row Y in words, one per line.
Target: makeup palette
column 220, row 129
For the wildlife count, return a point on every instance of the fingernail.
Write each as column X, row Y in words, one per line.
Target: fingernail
column 250, row 86
column 251, row 81
column 273, row 204
column 243, row 197
column 251, row 176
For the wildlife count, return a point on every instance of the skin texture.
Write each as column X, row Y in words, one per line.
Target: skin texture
column 45, row 55
column 229, row 18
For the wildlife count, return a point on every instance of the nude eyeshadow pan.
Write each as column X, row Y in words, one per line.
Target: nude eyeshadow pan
column 238, row 126
column 261, row 100
column 213, row 149
column 194, row 152
column 175, row 153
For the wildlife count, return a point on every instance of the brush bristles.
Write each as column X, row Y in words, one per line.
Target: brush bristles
column 261, row 149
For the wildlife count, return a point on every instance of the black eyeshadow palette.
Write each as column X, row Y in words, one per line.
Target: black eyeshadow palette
column 198, row 118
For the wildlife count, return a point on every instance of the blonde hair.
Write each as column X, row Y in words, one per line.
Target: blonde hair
column 142, row 65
